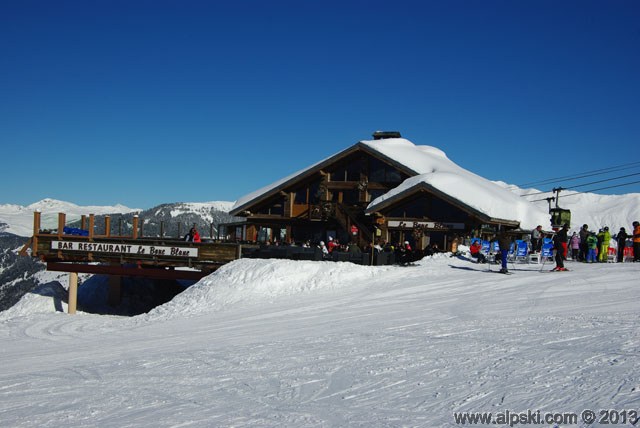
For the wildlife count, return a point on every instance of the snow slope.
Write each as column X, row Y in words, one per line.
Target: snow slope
column 319, row 344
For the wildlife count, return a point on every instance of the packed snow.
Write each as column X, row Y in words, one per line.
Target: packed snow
column 297, row 343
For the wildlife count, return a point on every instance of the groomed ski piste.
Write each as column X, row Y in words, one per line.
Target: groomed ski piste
column 266, row 343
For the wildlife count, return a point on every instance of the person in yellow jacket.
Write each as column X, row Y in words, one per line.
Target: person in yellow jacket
column 636, row 241
column 604, row 246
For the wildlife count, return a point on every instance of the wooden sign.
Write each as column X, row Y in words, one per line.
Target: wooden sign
column 149, row 250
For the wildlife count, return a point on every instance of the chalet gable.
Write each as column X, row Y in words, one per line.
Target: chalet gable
column 343, row 162
column 424, row 195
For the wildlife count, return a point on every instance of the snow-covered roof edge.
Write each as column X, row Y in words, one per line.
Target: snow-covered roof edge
column 433, row 168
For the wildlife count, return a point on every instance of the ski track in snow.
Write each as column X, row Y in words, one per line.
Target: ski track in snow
column 406, row 346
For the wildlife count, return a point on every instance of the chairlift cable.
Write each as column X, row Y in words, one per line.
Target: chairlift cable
column 585, row 184
column 582, row 174
column 602, row 188
column 591, row 190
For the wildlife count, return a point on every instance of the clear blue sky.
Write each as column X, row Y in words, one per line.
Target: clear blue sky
column 146, row 102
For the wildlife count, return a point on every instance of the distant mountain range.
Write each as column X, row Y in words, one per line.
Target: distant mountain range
column 19, row 275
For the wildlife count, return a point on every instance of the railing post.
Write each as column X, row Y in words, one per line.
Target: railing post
column 92, row 220
column 135, row 227
column 36, row 231
column 107, row 226
column 73, row 292
column 62, row 220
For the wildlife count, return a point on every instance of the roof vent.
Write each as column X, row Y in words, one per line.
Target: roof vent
column 381, row 135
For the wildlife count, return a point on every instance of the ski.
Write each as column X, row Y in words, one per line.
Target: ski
column 497, row 271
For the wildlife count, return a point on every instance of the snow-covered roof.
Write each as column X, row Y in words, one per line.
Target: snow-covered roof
column 433, row 168
column 437, row 171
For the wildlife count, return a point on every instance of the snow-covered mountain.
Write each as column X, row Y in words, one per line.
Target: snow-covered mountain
column 18, row 219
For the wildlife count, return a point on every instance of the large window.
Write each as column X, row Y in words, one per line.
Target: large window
column 380, row 172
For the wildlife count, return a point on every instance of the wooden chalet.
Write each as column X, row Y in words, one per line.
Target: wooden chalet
column 363, row 194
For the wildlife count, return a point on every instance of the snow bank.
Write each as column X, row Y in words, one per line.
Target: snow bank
column 45, row 298
column 247, row 281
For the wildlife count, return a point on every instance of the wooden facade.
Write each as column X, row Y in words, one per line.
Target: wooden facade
column 331, row 199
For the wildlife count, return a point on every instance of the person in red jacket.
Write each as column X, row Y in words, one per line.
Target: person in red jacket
column 476, row 253
column 332, row 245
column 193, row 235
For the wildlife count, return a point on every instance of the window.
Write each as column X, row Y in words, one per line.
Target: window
column 380, row 172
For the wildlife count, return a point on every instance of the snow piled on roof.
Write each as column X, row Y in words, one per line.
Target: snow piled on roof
column 437, row 170
column 434, row 168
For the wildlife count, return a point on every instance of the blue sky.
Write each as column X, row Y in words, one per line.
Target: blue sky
column 146, row 102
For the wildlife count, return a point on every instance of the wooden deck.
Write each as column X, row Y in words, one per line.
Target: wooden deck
column 121, row 256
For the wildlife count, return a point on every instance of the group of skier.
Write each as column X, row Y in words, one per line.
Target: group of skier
column 585, row 246
column 590, row 247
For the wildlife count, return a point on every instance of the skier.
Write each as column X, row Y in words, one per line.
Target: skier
column 564, row 238
column 636, row 241
column 604, row 244
column 559, row 246
column 592, row 244
column 584, row 234
column 622, row 242
column 504, row 242
column 575, row 246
